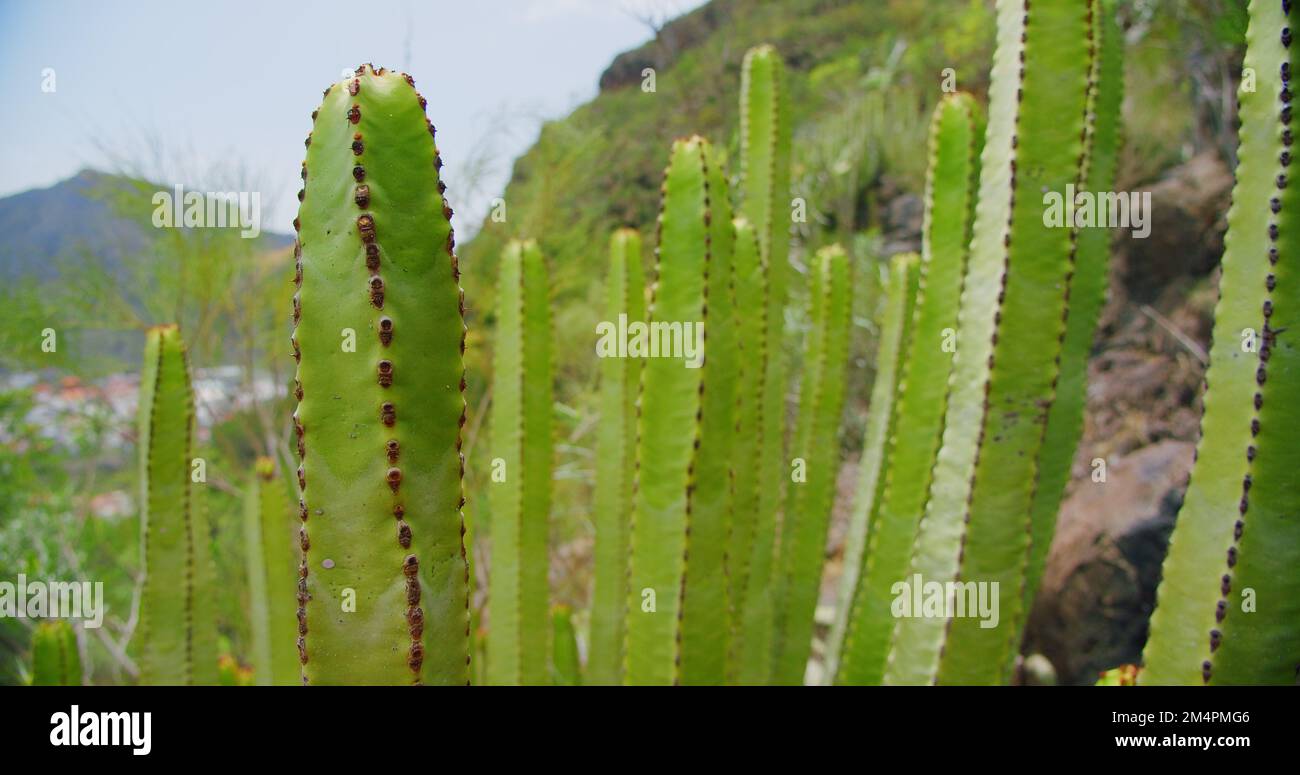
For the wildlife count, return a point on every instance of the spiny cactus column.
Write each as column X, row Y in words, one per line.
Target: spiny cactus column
column 55, row 659
column 378, row 337
column 178, row 630
column 615, row 465
column 765, row 186
column 1012, row 318
column 706, row 611
column 750, row 286
column 522, row 439
column 896, row 507
column 1228, row 607
column 816, row 443
column 673, row 430
column 1087, row 296
column 895, row 325
column 271, row 557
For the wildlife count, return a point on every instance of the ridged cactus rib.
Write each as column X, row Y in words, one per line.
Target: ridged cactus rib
column 1087, row 296
column 765, row 184
column 522, row 437
column 668, row 427
column 922, row 382
column 565, row 667
column 853, row 663
column 706, row 611
column 750, row 287
column 379, row 338
column 1237, row 540
column 615, row 464
column 271, row 557
column 808, row 513
column 55, row 658
column 1043, row 152
column 177, row 624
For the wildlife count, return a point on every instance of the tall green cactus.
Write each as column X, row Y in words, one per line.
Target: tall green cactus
column 895, row 507
column 684, row 414
column 523, row 446
column 816, row 444
column 271, row 559
column 765, row 184
column 706, row 611
column 844, row 664
column 1012, row 317
column 55, row 658
column 1228, row 610
column 1087, row 296
column 750, row 298
column 178, row 629
column 378, row 337
column 615, row 465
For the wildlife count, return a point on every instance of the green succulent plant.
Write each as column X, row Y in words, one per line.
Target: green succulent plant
column 1227, row 610
column 378, row 338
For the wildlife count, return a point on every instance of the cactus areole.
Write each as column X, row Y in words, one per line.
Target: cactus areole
column 383, row 582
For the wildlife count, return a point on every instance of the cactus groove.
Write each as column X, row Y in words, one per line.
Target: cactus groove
column 178, row 630
column 382, row 588
column 522, row 438
column 615, row 464
column 1237, row 540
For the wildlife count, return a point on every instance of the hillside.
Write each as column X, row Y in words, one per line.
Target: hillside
column 76, row 219
column 862, row 80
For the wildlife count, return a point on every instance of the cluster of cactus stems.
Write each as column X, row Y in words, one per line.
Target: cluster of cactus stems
column 1012, row 316
column 178, row 630
column 708, row 556
column 56, row 660
column 271, row 556
column 383, row 582
column 982, row 435
column 1227, row 610
column 522, row 442
column 1087, row 297
column 615, row 466
column 909, row 398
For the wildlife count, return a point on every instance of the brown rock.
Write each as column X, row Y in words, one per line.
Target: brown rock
column 1102, row 571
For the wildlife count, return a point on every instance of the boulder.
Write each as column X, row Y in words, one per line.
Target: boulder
column 1104, row 565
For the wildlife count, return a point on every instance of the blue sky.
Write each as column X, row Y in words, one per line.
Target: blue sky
column 220, row 94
